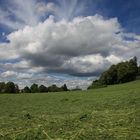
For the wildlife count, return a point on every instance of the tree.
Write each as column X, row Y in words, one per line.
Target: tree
column 26, row 90
column 2, row 87
column 54, row 88
column 127, row 71
column 64, row 87
column 109, row 77
column 112, row 72
column 10, row 87
column 139, row 71
column 97, row 84
column 133, row 69
column 43, row 88
column 120, row 73
column 34, row 88
column 105, row 78
column 17, row 89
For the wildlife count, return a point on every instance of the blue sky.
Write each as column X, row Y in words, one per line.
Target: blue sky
column 127, row 12
column 66, row 41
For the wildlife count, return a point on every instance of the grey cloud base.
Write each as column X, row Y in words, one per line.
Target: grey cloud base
column 85, row 46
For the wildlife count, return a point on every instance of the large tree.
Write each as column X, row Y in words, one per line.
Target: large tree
column 139, row 71
column 133, row 69
column 34, row 88
column 26, row 90
column 54, row 88
column 2, row 87
column 120, row 73
column 10, row 87
column 43, row 88
column 64, row 87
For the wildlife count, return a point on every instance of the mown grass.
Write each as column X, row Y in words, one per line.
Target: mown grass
column 111, row 113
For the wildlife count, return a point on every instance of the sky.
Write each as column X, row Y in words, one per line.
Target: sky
column 66, row 41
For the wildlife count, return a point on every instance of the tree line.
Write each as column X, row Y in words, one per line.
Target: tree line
column 11, row 87
column 120, row 73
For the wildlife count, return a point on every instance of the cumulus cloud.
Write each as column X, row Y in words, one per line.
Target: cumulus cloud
column 84, row 46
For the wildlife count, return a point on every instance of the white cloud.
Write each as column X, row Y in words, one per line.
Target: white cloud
column 85, row 46
column 24, row 76
column 62, row 46
column 42, row 7
column 19, row 13
column 8, row 74
column 7, row 52
column 66, row 9
column 5, row 20
column 22, row 12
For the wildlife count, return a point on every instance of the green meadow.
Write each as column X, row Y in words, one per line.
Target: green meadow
column 111, row 113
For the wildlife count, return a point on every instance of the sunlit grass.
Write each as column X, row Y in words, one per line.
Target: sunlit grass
column 111, row 113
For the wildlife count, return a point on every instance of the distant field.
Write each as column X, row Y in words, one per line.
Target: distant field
column 111, row 113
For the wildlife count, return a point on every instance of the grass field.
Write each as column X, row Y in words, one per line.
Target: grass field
column 111, row 113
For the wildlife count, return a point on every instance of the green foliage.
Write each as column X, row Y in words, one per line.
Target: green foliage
column 26, row 90
column 139, row 71
column 54, row 88
column 43, row 88
column 17, row 90
column 34, row 88
column 121, row 73
column 97, row 84
column 11, row 88
column 2, row 87
column 110, row 113
column 127, row 71
column 64, row 87
column 133, row 68
column 110, row 76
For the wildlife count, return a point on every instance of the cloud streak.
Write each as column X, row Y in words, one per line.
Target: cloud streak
column 20, row 13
